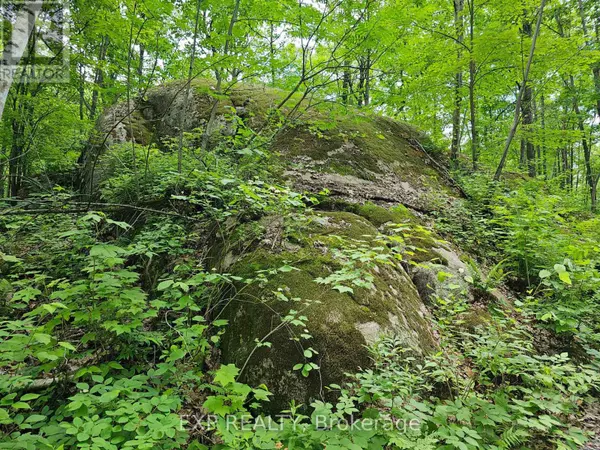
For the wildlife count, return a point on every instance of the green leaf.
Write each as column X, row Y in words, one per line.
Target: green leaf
column 4, row 416
column 21, row 405
column 226, row 374
column 67, row 345
column 559, row 268
column 442, row 276
column 35, row 418
column 42, row 338
column 82, row 437
column 109, row 396
column 105, row 251
column 545, row 274
column 123, row 225
column 343, row 289
column 164, row 285
column 9, row 258
column 216, row 405
column 565, row 278
column 74, row 406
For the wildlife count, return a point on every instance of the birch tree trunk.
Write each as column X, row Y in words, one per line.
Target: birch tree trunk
column 13, row 53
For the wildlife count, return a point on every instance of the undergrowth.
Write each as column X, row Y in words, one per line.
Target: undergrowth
column 110, row 329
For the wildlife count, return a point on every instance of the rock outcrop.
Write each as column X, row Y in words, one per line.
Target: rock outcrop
column 377, row 173
column 341, row 324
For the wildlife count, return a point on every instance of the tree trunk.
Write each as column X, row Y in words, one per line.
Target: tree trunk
column 81, row 92
column 2, row 169
column 543, row 158
column 587, row 152
column 367, row 94
column 99, row 77
column 591, row 180
column 458, row 82
column 16, row 159
column 346, row 83
column 515, row 124
column 595, row 196
column 596, row 67
column 272, row 52
column 472, row 75
column 213, row 111
column 527, row 148
column 473, row 107
column 527, row 111
column 361, row 82
column 140, row 69
column 186, row 99
column 15, row 48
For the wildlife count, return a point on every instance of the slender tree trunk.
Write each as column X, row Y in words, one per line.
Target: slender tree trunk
column 472, row 81
column 186, row 99
column 368, row 79
column 458, row 81
column 15, row 48
column 594, row 205
column 527, row 110
column 543, row 157
column 99, row 77
column 22, row 109
column 596, row 67
column 523, row 155
column 473, row 108
column 361, row 82
column 515, row 124
column 272, row 52
column 346, row 83
column 140, row 69
column 129, row 103
column 565, row 168
column 596, row 73
column 587, row 152
column 81, row 92
column 2, row 169
column 591, row 180
column 213, row 111
column 527, row 118
column 16, row 159
column 571, row 166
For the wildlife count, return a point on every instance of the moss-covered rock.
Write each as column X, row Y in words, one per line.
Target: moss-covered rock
column 356, row 157
column 341, row 325
column 379, row 215
column 377, row 174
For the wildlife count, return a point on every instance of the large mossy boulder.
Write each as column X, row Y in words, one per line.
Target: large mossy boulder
column 356, row 157
column 341, row 324
column 377, row 172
